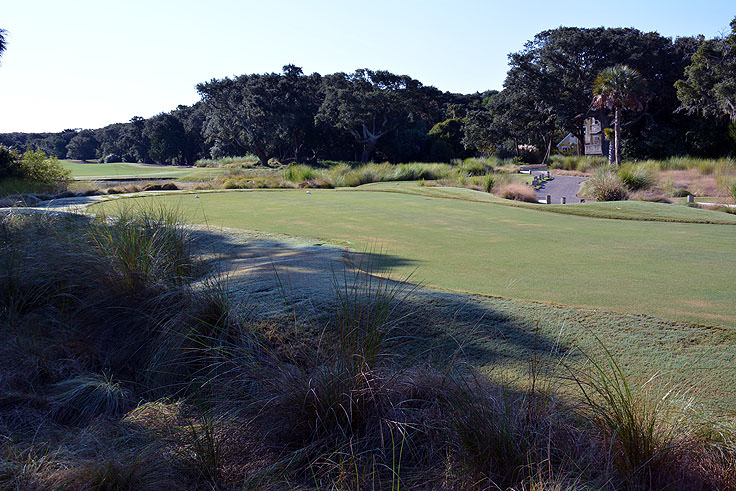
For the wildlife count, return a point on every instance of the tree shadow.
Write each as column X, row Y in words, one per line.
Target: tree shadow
column 301, row 278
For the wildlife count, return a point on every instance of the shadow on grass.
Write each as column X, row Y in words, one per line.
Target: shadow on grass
column 282, row 278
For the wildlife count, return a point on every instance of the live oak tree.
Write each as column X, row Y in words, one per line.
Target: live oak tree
column 83, row 146
column 709, row 86
column 270, row 115
column 371, row 104
column 166, row 138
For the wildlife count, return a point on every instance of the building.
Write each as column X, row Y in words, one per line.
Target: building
column 568, row 145
column 594, row 138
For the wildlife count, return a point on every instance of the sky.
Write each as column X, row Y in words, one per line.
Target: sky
column 89, row 63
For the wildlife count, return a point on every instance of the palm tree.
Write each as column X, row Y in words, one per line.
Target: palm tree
column 618, row 88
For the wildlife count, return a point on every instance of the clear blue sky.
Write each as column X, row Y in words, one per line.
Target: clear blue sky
column 90, row 63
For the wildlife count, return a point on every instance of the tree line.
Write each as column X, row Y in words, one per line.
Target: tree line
column 688, row 109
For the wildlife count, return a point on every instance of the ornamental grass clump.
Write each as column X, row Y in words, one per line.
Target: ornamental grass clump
column 517, row 192
column 605, row 185
column 142, row 248
column 297, row 173
column 636, row 177
column 643, row 426
column 77, row 400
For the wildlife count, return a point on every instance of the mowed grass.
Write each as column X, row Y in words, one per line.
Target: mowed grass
column 681, row 271
column 620, row 210
column 87, row 171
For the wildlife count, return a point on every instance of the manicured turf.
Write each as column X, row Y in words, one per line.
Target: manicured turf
column 622, row 210
column 90, row 171
column 682, row 271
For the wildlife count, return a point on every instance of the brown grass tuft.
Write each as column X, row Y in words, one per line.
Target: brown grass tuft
column 517, row 192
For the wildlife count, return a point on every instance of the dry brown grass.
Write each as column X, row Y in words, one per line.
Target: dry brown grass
column 693, row 180
column 517, row 192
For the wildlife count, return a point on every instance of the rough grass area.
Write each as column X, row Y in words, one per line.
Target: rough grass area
column 671, row 270
column 128, row 363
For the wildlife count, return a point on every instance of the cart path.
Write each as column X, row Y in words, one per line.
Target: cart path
column 559, row 187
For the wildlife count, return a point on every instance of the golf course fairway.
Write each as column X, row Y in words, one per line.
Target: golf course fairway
column 679, row 271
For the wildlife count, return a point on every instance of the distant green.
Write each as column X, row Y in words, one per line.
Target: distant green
column 682, row 271
column 131, row 170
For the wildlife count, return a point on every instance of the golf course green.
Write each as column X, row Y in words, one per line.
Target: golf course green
column 679, row 271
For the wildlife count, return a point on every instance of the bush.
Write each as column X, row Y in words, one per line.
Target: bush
column 517, row 192
column 637, row 176
column 605, row 185
column 166, row 186
column 36, row 166
column 642, row 427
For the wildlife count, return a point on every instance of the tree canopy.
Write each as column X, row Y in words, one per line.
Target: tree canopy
column 371, row 104
column 270, row 115
column 709, row 86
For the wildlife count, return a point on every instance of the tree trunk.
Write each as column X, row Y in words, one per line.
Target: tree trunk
column 368, row 148
column 617, row 135
column 262, row 157
column 548, row 150
column 579, row 147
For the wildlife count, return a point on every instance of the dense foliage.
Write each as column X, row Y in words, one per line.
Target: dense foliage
column 709, row 86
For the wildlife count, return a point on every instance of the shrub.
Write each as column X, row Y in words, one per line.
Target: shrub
column 636, row 177
column 605, row 185
column 704, row 166
column 517, row 192
column 37, row 167
column 529, row 154
column 680, row 193
column 166, row 186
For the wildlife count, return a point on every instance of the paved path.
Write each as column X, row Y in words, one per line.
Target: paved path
column 560, row 186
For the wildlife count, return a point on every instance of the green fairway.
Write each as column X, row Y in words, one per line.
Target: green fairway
column 672, row 270
column 127, row 170
column 622, row 210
